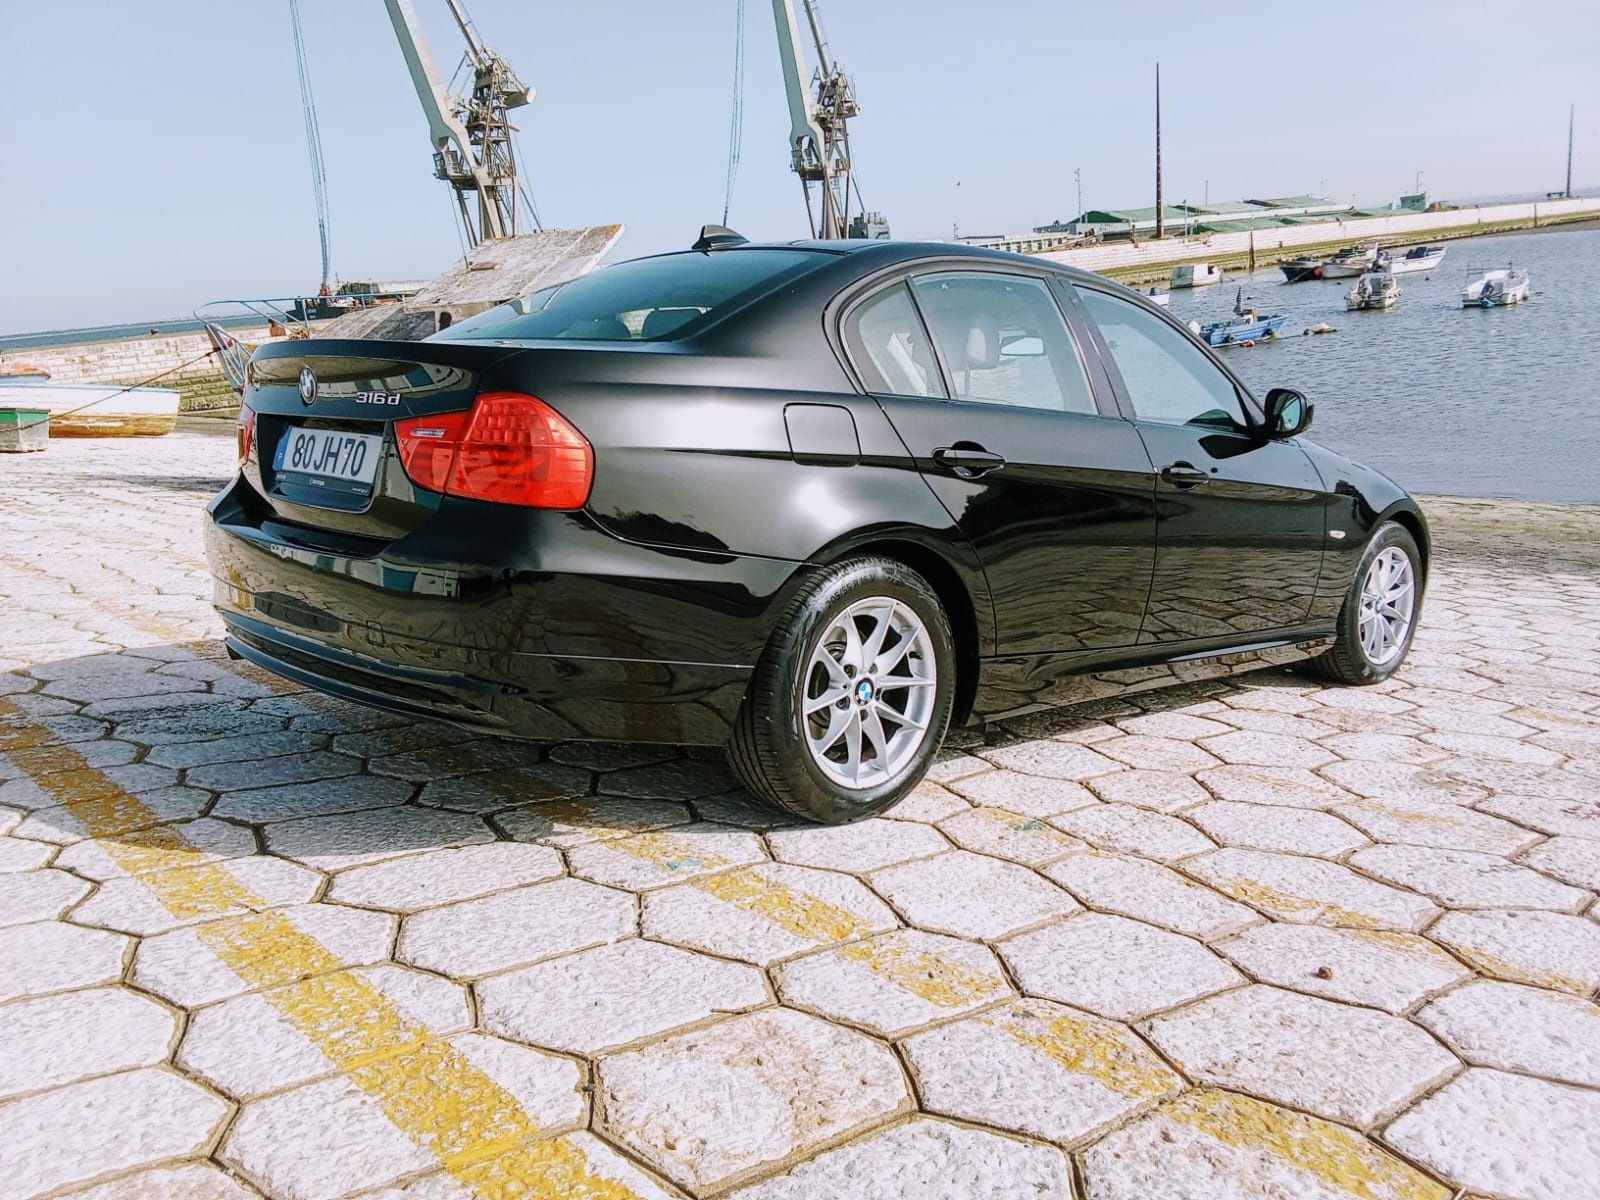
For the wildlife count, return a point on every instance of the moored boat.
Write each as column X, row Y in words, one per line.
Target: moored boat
column 1244, row 328
column 1158, row 297
column 1301, row 268
column 1376, row 289
column 1495, row 287
column 89, row 409
column 1418, row 258
column 1191, row 275
column 1351, row 261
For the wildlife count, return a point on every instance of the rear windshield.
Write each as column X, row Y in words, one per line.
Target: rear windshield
column 648, row 299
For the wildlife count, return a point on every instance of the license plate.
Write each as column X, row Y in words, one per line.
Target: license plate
column 329, row 458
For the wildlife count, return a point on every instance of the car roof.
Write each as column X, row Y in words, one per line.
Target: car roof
column 887, row 252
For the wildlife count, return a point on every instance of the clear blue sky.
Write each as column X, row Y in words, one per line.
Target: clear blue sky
column 153, row 155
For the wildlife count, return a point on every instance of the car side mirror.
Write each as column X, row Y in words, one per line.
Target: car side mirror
column 1288, row 413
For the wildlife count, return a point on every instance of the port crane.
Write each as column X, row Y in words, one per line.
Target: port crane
column 819, row 136
column 471, row 133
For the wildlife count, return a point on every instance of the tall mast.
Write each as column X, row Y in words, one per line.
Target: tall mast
column 1571, row 110
column 1161, row 224
column 319, row 179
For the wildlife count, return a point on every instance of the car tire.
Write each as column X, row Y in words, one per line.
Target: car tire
column 1375, row 629
column 829, row 730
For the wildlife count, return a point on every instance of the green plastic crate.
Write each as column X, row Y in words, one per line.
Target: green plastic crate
column 24, row 429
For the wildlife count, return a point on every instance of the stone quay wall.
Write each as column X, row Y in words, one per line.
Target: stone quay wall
column 181, row 359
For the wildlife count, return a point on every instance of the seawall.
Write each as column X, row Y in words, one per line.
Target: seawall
column 181, row 359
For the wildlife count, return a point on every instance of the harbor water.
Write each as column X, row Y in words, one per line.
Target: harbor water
column 1475, row 402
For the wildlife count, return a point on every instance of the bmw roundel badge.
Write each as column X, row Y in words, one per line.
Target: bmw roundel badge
column 308, row 385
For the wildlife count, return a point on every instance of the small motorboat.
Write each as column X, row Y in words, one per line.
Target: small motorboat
column 1158, row 297
column 89, row 409
column 1301, row 268
column 1191, row 275
column 1495, row 287
column 1245, row 328
column 1376, row 289
column 1418, row 258
column 1351, row 261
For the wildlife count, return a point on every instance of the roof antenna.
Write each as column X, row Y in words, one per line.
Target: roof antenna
column 718, row 237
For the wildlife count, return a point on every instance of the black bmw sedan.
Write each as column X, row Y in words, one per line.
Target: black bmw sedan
column 812, row 501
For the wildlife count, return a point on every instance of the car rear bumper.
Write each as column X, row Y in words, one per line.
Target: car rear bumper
column 599, row 639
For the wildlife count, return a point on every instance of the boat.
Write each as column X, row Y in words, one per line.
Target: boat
column 1495, row 287
column 1418, row 258
column 1245, row 328
column 89, row 409
column 1301, row 268
column 1191, row 275
column 1158, row 297
column 1376, row 289
column 1351, row 261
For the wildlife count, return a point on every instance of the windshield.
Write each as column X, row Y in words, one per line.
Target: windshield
column 648, row 299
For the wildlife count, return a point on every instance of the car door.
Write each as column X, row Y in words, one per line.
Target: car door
column 998, row 411
column 1240, row 517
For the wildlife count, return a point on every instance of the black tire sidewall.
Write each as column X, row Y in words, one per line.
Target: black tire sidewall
column 845, row 585
column 1391, row 533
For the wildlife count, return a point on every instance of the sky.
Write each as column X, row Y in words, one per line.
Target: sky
column 152, row 154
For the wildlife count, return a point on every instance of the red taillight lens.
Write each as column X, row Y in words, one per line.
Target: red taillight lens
column 247, row 431
column 509, row 449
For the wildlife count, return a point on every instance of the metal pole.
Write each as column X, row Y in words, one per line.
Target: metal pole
column 1160, row 211
column 1571, row 111
column 1077, row 177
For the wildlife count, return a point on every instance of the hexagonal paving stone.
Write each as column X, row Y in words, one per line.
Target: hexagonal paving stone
column 515, row 928
column 202, row 841
column 327, row 1138
column 1518, row 1028
column 158, row 1117
column 761, row 914
column 16, row 854
column 1570, row 859
column 1146, row 891
column 1550, row 814
column 321, row 798
column 658, row 859
column 1310, row 891
column 1462, row 879
column 1347, row 1064
column 265, row 772
column 1113, row 966
column 182, row 966
column 358, row 838
column 1053, row 760
column 248, row 1046
column 1383, row 747
column 1506, row 1135
column 681, row 779
column 1278, row 787
column 574, row 1164
column 1292, row 830
column 38, row 895
column 132, row 905
column 928, row 803
column 1224, row 1146
column 50, row 957
column 1171, row 725
column 456, row 758
column 491, row 791
column 567, row 823
column 1131, row 830
column 193, row 1181
column 970, row 895
column 112, row 815
column 1157, row 753
column 927, row 1160
column 1256, row 749
column 858, row 847
column 1390, row 782
column 1030, row 795
column 712, row 1107
column 1545, row 949
column 895, row 982
column 52, row 1040
column 1038, row 1068
column 1000, row 833
column 612, row 995
column 1391, row 971
column 440, row 877
column 1422, row 823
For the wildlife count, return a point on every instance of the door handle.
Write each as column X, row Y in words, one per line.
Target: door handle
column 968, row 459
column 1185, row 475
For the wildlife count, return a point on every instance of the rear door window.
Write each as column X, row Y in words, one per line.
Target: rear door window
column 649, row 299
column 890, row 347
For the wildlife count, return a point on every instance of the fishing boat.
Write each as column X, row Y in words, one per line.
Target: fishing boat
column 1418, row 258
column 1495, row 287
column 89, row 409
column 1376, row 289
column 1158, row 297
column 1244, row 328
column 1351, row 261
column 1301, row 268
column 1192, row 275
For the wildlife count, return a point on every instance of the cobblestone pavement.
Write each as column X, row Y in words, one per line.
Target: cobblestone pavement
column 1255, row 938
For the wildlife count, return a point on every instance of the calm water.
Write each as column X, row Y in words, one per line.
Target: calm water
column 1497, row 402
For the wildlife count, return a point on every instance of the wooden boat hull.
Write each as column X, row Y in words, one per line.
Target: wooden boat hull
column 97, row 410
column 1300, row 272
column 1353, row 269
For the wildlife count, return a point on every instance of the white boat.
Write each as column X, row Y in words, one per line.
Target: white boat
column 1376, row 289
column 1495, row 287
column 1191, row 275
column 1351, row 261
column 1161, row 298
column 90, row 409
column 1418, row 258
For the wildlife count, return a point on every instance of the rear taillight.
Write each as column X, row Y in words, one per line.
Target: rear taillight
column 247, row 431
column 509, row 449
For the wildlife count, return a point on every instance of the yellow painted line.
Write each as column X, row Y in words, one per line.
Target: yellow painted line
column 1262, row 895
column 931, row 977
column 1338, row 1157
column 1082, row 1046
column 800, row 913
column 430, row 1090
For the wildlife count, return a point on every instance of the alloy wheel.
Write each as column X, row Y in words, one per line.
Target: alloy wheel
column 1388, row 602
column 868, row 693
